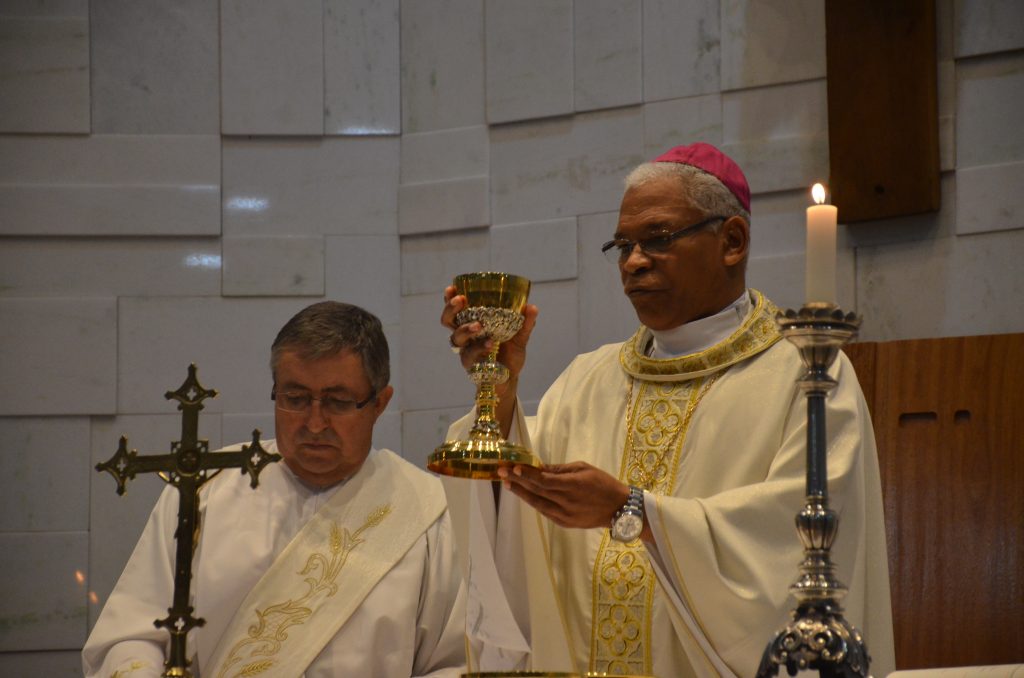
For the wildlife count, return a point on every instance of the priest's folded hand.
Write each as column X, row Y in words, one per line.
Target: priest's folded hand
column 570, row 495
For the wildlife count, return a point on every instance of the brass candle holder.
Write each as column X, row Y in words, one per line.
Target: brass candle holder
column 817, row 637
column 496, row 301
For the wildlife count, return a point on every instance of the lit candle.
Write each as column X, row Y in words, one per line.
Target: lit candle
column 821, row 249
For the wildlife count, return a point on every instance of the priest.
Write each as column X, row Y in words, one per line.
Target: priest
column 658, row 538
column 341, row 562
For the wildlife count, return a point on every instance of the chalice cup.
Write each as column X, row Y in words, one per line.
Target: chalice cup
column 496, row 301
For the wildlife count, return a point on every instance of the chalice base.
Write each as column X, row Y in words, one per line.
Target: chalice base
column 479, row 459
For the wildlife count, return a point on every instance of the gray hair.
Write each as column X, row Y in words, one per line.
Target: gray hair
column 329, row 327
column 702, row 190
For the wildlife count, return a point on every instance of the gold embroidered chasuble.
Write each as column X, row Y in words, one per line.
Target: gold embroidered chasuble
column 326, row 571
column 717, row 439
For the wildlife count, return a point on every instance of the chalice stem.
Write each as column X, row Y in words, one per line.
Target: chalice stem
column 486, row 425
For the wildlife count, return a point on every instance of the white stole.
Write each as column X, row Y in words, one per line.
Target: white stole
column 327, row 570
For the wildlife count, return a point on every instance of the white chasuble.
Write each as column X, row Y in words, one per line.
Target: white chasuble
column 292, row 581
column 717, row 440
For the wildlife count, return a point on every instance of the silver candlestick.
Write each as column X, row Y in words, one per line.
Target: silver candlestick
column 817, row 637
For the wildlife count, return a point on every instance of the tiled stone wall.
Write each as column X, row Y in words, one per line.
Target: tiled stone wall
column 177, row 179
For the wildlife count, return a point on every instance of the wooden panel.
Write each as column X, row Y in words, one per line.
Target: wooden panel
column 882, row 107
column 862, row 355
column 951, row 447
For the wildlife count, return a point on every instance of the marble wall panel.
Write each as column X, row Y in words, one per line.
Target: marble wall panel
column 947, row 115
column 781, row 164
column 605, row 314
column 988, row 26
column 52, row 664
column 989, row 198
column 554, row 341
column 387, row 434
column 155, row 67
column 682, row 121
column 764, row 43
column 927, row 226
column 361, row 63
column 116, row 521
column 564, row 166
column 393, row 335
column 50, row 267
column 269, row 265
column 442, row 70
column 778, row 222
column 445, row 154
column 778, row 135
column 429, row 262
column 782, row 111
column 44, row 65
column 366, row 270
column 682, row 48
column 60, row 356
column 607, row 52
column 423, row 430
column 272, row 67
column 43, row 462
column 110, row 185
column 238, row 428
column 780, row 277
column 945, row 287
column 228, row 339
column 529, row 57
column 331, row 186
column 541, row 250
column 443, row 205
column 432, row 377
column 989, row 95
column 44, row 601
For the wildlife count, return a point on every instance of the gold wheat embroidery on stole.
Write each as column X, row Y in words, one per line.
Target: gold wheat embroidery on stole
column 131, row 668
column 657, row 419
column 255, row 653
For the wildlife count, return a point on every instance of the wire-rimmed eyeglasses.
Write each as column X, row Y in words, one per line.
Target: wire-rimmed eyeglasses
column 301, row 402
column 618, row 250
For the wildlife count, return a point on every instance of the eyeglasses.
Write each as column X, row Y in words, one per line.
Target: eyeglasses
column 618, row 250
column 301, row 402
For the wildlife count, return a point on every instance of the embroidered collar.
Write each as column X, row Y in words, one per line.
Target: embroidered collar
column 757, row 333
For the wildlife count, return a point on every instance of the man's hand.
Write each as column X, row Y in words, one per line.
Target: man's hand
column 571, row 495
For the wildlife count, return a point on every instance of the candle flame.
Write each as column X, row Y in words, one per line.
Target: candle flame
column 79, row 577
column 818, row 193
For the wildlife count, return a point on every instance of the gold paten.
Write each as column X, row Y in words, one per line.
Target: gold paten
column 496, row 301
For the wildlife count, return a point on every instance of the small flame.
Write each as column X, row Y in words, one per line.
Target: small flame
column 818, row 193
column 79, row 577
column 93, row 598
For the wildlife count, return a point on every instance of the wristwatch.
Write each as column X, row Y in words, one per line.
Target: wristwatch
column 628, row 522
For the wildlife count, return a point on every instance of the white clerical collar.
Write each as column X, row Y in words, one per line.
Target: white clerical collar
column 702, row 334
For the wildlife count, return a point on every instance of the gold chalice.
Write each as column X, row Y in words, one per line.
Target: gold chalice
column 496, row 301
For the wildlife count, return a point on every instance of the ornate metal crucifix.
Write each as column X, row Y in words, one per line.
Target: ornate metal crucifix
column 186, row 468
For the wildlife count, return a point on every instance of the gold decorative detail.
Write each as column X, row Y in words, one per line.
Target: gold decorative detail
column 132, row 668
column 269, row 633
column 256, row 668
column 657, row 421
column 757, row 333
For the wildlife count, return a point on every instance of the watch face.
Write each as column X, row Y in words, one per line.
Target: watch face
column 628, row 527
